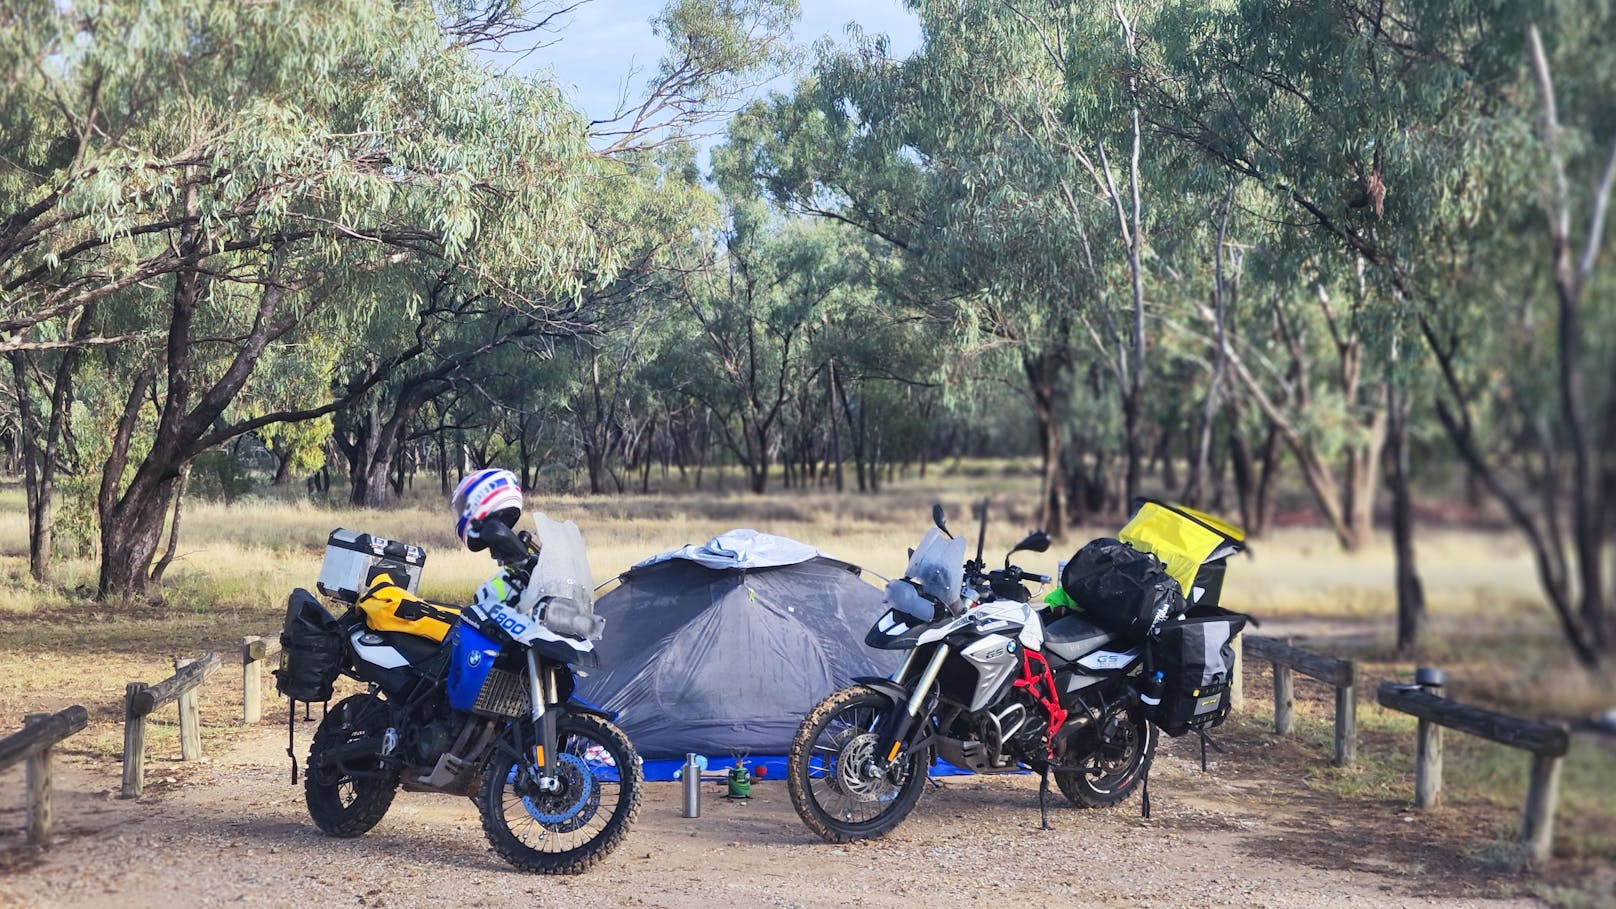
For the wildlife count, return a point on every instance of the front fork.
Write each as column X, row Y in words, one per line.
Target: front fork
column 543, row 695
column 895, row 733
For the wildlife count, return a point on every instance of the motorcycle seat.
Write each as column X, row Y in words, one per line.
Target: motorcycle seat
column 1071, row 637
column 415, row 648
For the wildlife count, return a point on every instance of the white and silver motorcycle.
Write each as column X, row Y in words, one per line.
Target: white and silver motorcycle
column 986, row 686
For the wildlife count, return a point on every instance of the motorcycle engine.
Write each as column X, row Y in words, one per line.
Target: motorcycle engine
column 1015, row 725
column 432, row 739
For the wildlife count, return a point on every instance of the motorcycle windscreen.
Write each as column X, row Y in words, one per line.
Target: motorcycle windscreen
column 563, row 568
column 938, row 566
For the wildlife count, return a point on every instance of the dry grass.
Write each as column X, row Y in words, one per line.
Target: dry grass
column 237, row 563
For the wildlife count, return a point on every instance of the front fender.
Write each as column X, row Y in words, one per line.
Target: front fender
column 897, row 694
column 579, row 705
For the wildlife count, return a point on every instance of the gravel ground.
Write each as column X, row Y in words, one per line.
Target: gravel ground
column 232, row 831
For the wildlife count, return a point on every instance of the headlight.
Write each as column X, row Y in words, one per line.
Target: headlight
column 905, row 597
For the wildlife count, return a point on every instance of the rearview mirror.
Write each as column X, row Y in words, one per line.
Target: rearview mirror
column 1037, row 541
column 937, row 518
column 503, row 543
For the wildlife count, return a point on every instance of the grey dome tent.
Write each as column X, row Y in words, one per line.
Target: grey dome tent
column 722, row 649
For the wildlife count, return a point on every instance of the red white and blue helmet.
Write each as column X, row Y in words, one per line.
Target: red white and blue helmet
column 486, row 493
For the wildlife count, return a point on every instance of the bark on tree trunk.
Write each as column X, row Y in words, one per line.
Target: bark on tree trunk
column 1041, row 373
column 1245, row 485
column 174, row 526
column 39, row 459
column 1410, row 593
column 35, row 492
column 283, row 464
column 1203, row 441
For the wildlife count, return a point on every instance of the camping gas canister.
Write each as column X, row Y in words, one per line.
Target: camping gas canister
column 740, row 781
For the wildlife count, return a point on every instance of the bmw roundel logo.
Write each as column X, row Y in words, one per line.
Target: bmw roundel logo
column 474, row 658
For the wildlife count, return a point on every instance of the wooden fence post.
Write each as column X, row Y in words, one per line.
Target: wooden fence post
column 1237, row 686
column 38, row 771
column 190, row 720
column 1428, row 745
column 1346, row 726
column 1284, row 700
column 1537, row 827
column 252, row 681
column 134, row 743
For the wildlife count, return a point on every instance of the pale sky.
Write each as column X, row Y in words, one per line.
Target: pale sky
column 606, row 39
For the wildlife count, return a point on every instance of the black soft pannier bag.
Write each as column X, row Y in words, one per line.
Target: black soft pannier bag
column 1121, row 589
column 311, row 650
column 1195, row 660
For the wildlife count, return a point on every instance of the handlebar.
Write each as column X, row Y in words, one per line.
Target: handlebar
column 1010, row 573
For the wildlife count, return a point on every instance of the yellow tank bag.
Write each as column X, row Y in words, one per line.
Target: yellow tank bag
column 389, row 607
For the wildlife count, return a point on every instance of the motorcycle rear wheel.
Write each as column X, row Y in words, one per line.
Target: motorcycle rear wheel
column 343, row 804
column 1123, row 763
column 828, row 774
column 574, row 826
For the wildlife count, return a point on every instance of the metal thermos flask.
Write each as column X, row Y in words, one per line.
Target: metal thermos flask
column 690, row 782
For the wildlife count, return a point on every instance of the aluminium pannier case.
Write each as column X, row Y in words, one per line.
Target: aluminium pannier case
column 311, row 650
column 353, row 560
column 1124, row 590
column 1196, row 660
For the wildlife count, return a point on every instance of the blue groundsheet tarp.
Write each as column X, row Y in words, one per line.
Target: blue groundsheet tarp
column 773, row 765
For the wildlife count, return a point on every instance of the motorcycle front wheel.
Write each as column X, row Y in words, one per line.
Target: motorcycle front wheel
column 835, row 783
column 348, row 797
column 576, row 820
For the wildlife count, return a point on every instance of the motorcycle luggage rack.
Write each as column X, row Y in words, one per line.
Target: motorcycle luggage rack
column 504, row 694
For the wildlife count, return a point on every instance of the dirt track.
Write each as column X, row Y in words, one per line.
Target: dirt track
column 233, row 832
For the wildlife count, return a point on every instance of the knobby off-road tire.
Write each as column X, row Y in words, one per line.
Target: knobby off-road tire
column 568, row 831
column 343, row 805
column 1126, row 764
column 844, row 806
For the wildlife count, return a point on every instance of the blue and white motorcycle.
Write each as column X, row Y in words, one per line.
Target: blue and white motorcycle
column 486, row 713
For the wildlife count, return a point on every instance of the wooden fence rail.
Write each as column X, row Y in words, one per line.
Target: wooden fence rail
column 254, row 651
column 1547, row 743
column 40, row 733
column 1341, row 674
column 140, row 700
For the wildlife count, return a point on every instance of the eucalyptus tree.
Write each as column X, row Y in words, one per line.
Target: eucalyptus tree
column 226, row 175
column 1006, row 160
column 1465, row 153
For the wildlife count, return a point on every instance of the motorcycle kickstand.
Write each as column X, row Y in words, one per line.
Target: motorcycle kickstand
column 1043, row 801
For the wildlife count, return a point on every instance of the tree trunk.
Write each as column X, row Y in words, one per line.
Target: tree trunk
column 283, row 464
column 380, row 444
column 173, row 527
column 37, row 495
column 39, row 457
column 1273, row 454
column 130, row 532
column 1245, row 481
column 1041, row 372
column 1363, row 463
column 1203, row 440
column 1410, row 593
